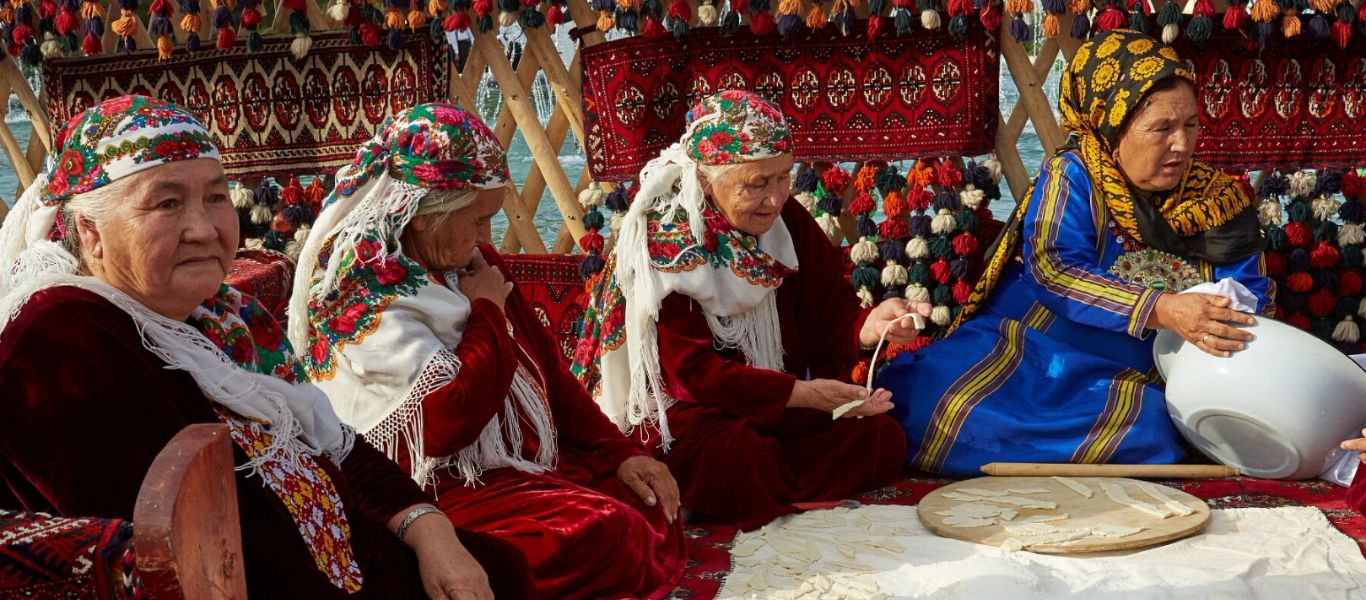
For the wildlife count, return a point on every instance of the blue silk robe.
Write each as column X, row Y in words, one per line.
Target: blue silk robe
column 1057, row 366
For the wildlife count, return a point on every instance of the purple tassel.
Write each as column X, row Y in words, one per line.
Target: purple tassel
column 893, row 251
column 222, row 17
column 395, row 39
column 946, row 200
column 95, row 26
column 592, row 265
column 832, row 205
column 601, row 5
column 904, row 21
column 919, row 225
column 1019, row 29
column 1320, row 26
column 845, row 21
column 866, row 226
column 1081, row 27
column 959, row 268
column 790, row 24
column 159, row 26
column 618, row 200
column 1057, row 7
column 1264, row 32
column 192, row 43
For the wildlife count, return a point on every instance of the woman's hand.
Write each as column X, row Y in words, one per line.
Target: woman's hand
column 901, row 331
column 826, row 395
column 448, row 570
column 1202, row 319
column 1357, row 445
column 651, row 480
column 483, row 280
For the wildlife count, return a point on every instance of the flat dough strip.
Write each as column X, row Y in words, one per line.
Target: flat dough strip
column 1160, row 495
column 1076, row 486
column 982, row 492
column 1028, row 491
column 1023, row 502
column 957, row 521
column 1114, row 531
column 1117, row 494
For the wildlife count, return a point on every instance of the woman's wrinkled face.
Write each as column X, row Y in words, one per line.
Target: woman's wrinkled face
column 446, row 242
column 751, row 195
column 170, row 241
column 1159, row 140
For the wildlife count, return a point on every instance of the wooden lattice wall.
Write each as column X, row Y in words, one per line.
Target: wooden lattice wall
column 518, row 114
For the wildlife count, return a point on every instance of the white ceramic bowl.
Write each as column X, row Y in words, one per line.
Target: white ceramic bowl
column 1276, row 410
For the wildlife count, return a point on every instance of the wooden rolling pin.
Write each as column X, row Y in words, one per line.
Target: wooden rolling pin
column 1003, row 469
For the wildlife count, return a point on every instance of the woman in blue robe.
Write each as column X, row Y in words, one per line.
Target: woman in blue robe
column 1051, row 358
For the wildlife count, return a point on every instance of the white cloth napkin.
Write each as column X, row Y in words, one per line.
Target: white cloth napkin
column 1244, row 554
column 1243, row 299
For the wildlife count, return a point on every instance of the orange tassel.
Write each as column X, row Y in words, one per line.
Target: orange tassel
column 1019, row 7
column 126, row 25
column 1265, row 11
column 191, row 22
column 164, row 47
column 790, row 7
column 417, row 20
column 1290, row 23
column 392, row 19
column 1051, row 26
column 1081, row 6
column 605, row 21
column 866, row 179
column 816, row 19
column 1328, row 7
column 436, row 8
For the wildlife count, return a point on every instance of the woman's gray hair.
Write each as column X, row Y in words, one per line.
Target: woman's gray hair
column 714, row 173
column 441, row 203
column 93, row 207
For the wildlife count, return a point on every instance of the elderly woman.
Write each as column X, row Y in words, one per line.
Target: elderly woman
column 425, row 347
column 116, row 332
column 1055, row 363
column 721, row 326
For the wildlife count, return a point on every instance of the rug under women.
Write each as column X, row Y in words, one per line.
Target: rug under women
column 1316, row 531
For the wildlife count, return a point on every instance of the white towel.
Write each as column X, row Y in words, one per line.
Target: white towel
column 1243, row 299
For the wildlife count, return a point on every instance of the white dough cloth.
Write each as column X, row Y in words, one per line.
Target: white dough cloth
column 1245, row 553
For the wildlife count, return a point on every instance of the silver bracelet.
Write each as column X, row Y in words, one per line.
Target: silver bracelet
column 412, row 516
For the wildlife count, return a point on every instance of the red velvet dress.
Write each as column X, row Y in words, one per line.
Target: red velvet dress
column 739, row 453
column 584, row 532
column 84, row 409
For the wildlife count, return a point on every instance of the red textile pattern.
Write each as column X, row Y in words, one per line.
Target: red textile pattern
column 1299, row 102
column 265, row 275
column 269, row 114
column 56, row 557
column 709, row 548
column 847, row 99
column 551, row 284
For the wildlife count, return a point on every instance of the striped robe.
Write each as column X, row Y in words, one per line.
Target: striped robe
column 1057, row 367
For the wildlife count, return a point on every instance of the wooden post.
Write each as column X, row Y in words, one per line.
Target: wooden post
column 545, row 154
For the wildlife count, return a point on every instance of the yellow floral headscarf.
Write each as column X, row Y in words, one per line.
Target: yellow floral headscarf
column 1101, row 89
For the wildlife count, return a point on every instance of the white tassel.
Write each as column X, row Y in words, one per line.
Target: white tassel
column 506, row 19
column 893, row 274
column 255, row 244
column 1347, row 331
column 917, row 248
column 1361, row 308
column 808, row 201
column 941, row 316
column 831, row 226
column 301, row 235
column 1302, row 184
column 944, row 223
column 616, row 222
column 1170, row 32
column 51, row 47
column 592, row 196
column 300, row 46
column 706, row 15
column 1351, row 234
column 865, row 297
column 338, row 10
column 971, row 197
column 242, row 198
column 929, row 19
column 865, row 251
column 994, row 167
column 261, row 215
column 1324, row 207
column 917, row 293
column 1269, row 212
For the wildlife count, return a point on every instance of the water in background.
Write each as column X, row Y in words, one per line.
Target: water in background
column 520, row 159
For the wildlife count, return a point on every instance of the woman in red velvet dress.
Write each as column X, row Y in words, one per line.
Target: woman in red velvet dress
column 722, row 327
column 424, row 347
column 116, row 332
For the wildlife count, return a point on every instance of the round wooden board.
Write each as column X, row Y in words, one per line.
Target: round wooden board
column 1081, row 512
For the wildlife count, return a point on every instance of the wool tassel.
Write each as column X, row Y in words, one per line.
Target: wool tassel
column 126, row 26
column 706, row 14
column 1110, row 17
column 251, row 22
column 1236, row 16
column 1019, row 29
column 1169, row 19
column 789, row 22
column 222, row 21
column 338, row 10
column 1290, row 23
column 1202, row 23
column 1346, row 331
column 893, row 274
column 1342, row 26
column 815, row 18
column 929, row 14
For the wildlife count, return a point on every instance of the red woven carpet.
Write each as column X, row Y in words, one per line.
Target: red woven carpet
column 709, row 548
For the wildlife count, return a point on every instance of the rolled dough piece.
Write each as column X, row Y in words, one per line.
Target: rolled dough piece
column 1028, row 491
column 1117, row 494
column 1076, row 486
column 1049, row 518
column 982, row 492
column 1023, row 502
column 1161, row 496
column 955, row 521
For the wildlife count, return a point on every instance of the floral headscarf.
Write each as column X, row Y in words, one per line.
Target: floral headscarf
column 230, row 345
column 1101, row 89
column 378, row 329
column 674, row 240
